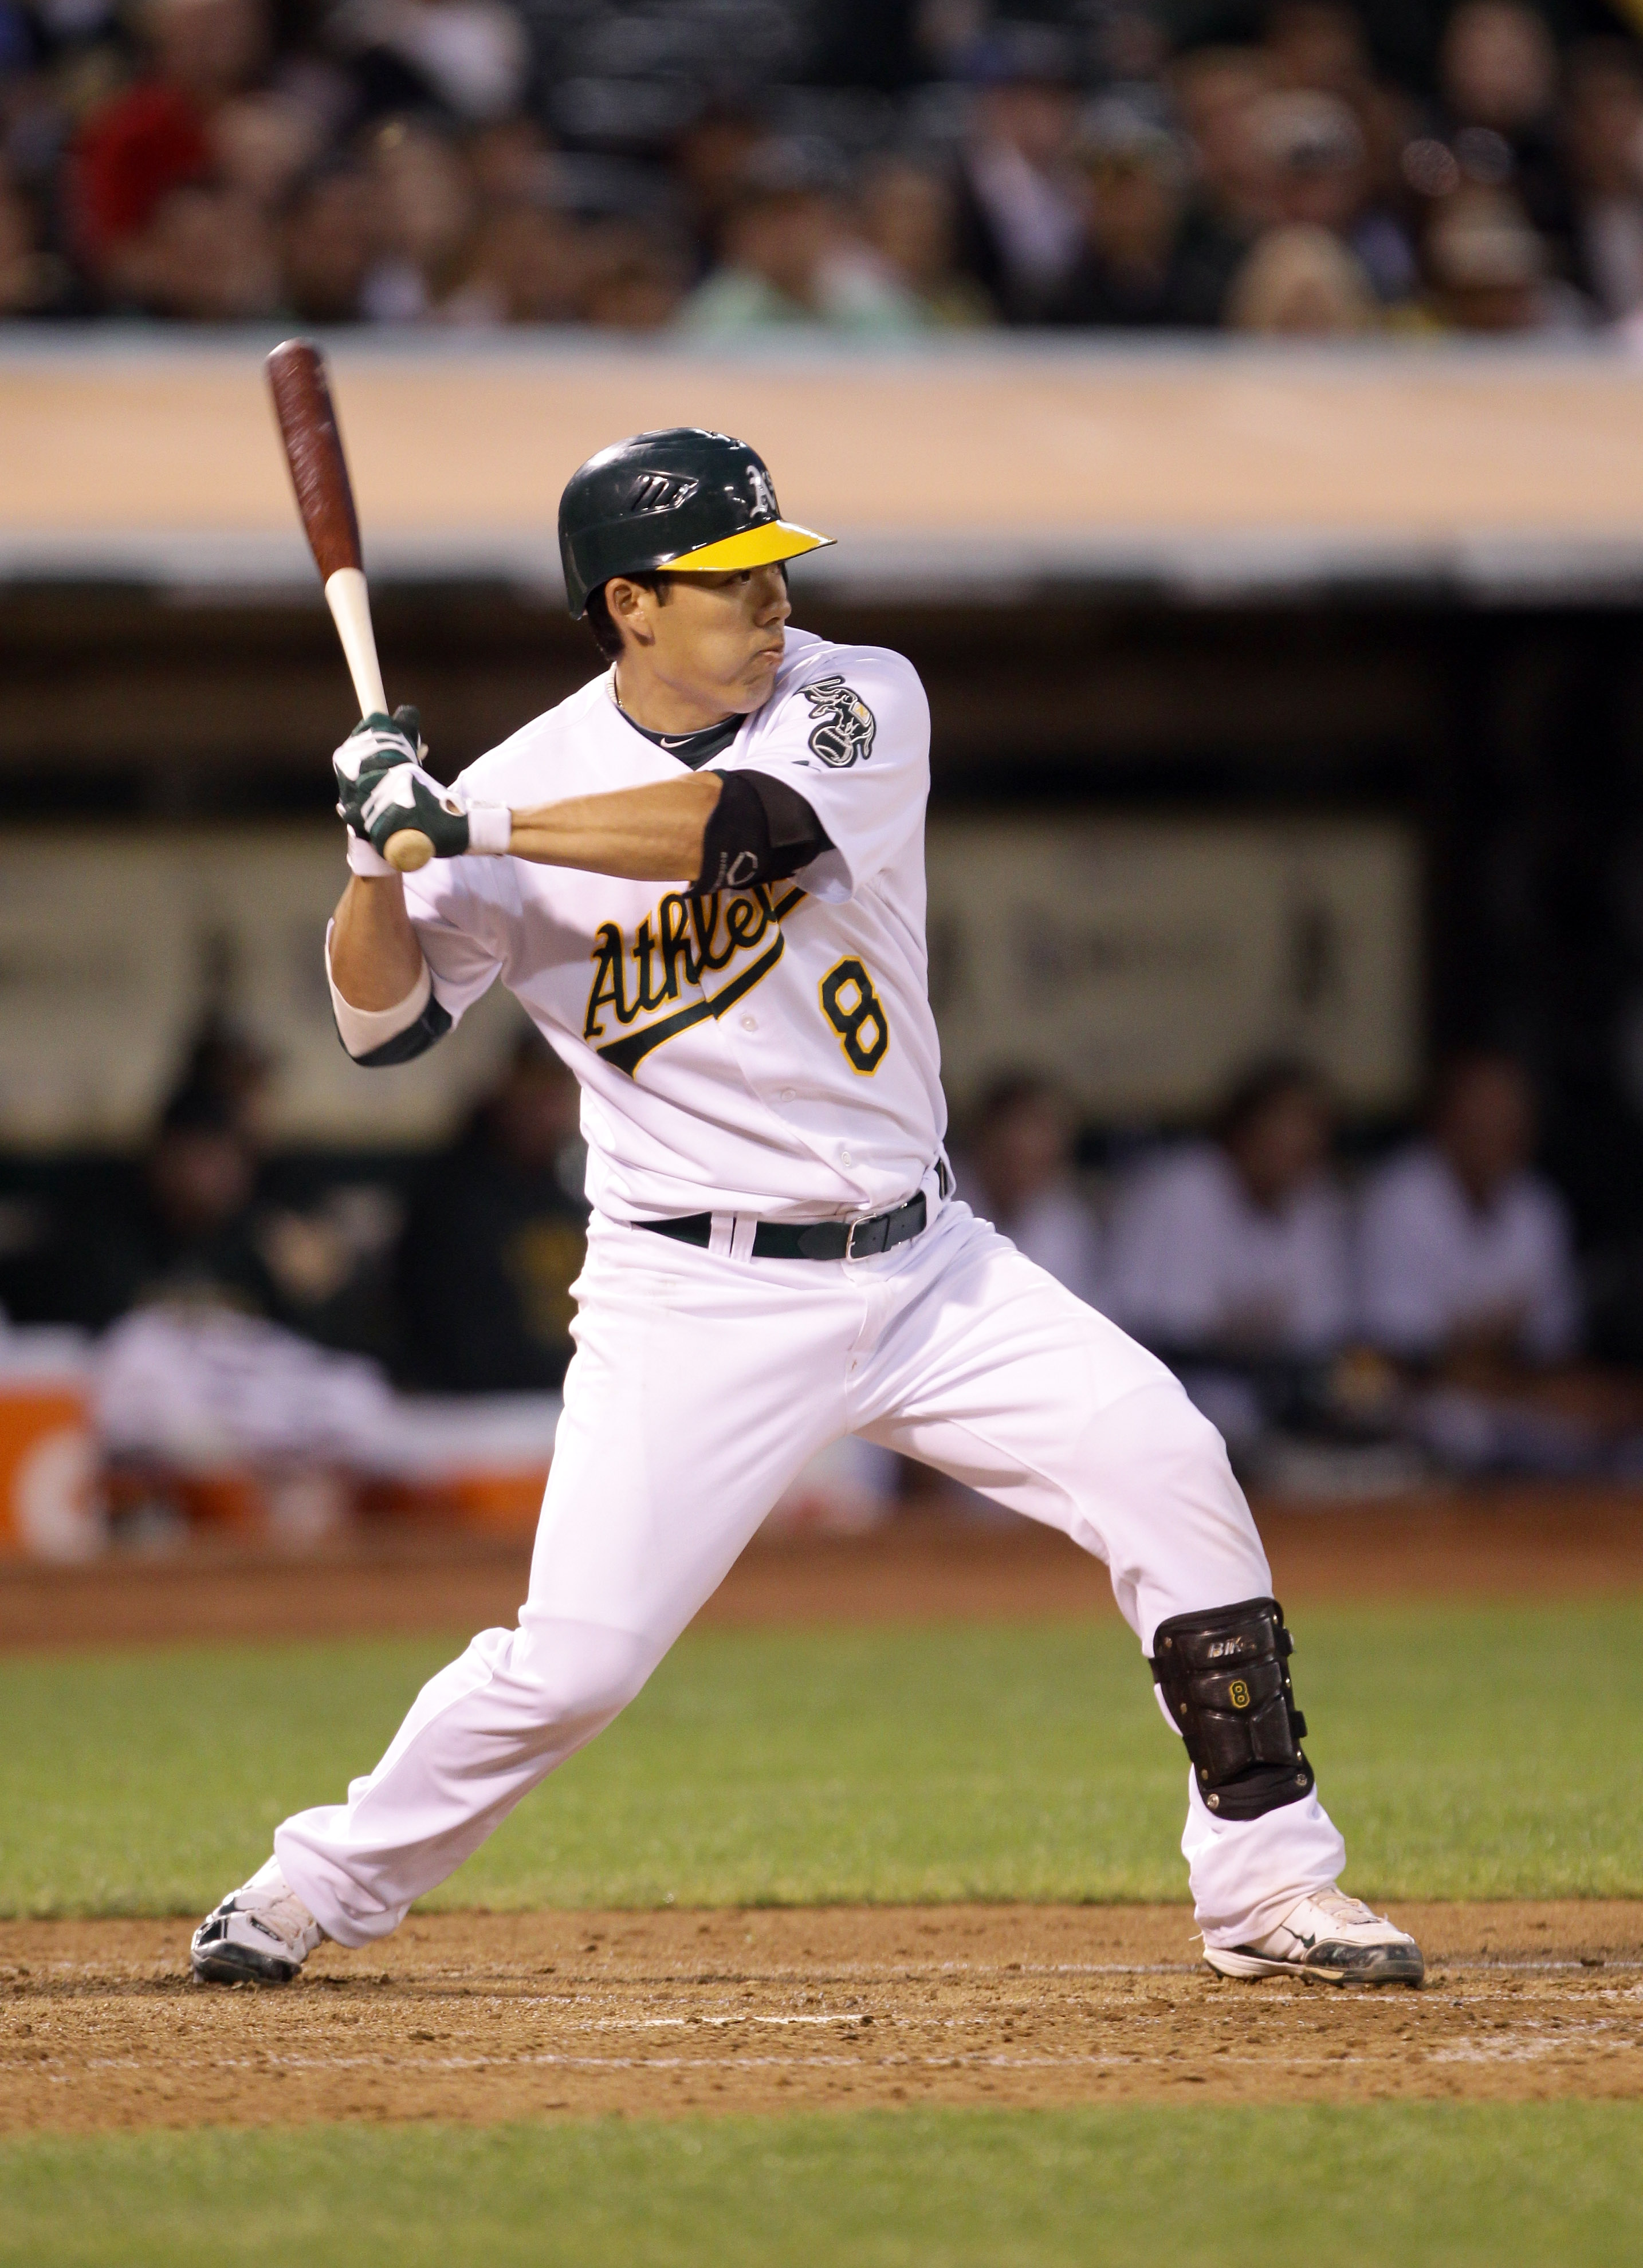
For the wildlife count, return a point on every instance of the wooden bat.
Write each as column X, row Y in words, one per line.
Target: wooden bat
column 325, row 498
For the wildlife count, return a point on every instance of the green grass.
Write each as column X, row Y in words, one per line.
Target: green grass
column 1381, row 2186
column 1479, row 1753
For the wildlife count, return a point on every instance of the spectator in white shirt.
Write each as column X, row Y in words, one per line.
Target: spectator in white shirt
column 1238, row 1249
column 1019, row 1174
column 1463, row 1249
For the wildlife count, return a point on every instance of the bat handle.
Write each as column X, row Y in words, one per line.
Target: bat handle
column 348, row 597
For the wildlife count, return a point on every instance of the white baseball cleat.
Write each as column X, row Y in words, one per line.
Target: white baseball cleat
column 259, row 1934
column 1330, row 1936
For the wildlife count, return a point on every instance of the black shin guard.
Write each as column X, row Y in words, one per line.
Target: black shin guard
column 1224, row 1675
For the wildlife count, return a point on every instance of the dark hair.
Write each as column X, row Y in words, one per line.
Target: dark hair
column 607, row 637
column 1263, row 1085
column 1011, row 1090
column 1460, row 1062
column 196, row 1108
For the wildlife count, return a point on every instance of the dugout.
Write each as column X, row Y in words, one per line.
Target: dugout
column 1316, row 673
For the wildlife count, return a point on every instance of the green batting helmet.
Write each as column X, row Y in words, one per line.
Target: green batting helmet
column 692, row 501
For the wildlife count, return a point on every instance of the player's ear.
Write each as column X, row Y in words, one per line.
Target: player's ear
column 626, row 602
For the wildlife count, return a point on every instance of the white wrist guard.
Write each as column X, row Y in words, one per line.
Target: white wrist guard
column 490, row 829
column 362, row 858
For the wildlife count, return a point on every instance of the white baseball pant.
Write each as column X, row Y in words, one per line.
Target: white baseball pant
column 701, row 1384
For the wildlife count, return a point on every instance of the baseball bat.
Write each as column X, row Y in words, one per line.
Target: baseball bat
column 325, row 499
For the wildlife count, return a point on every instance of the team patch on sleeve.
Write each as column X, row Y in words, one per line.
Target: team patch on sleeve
column 844, row 725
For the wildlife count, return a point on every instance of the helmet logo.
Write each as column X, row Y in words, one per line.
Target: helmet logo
column 763, row 494
column 844, row 725
column 660, row 491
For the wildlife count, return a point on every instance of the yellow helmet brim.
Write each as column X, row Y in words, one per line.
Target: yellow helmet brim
column 752, row 547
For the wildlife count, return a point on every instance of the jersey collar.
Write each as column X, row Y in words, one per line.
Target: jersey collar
column 691, row 749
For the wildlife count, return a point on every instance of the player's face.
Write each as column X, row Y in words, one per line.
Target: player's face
column 717, row 639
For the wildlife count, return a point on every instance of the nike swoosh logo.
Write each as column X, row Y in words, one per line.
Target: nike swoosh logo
column 679, row 743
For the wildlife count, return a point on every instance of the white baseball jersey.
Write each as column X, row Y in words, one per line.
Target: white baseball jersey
column 768, row 1051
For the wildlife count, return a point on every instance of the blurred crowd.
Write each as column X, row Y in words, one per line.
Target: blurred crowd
column 264, row 1333
column 451, row 1271
column 1345, row 1331
column 735, row 167
column 1348, row 1331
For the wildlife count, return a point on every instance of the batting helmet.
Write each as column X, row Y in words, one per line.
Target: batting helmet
column 692, row 501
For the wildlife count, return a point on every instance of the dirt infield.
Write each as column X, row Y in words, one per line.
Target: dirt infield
column 1521, row 1542
column 482, row 2017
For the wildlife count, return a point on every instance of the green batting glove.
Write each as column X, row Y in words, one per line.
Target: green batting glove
column 376, row 744
column 383, row 790
column 404, row 796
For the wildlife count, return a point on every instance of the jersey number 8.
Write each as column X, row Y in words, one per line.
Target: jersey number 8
column 852, row 1006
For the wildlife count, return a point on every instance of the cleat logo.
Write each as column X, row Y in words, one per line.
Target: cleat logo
column 1240, row 1695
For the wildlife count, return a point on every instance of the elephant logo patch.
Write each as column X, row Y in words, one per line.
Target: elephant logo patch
column 844, row 725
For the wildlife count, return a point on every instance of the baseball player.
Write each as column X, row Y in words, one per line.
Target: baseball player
column 703, row 876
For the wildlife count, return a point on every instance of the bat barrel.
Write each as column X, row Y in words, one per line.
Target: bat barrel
column 314, row 449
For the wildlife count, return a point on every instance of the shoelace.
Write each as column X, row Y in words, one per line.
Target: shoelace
column 286, row 1915
column 1340, row 1907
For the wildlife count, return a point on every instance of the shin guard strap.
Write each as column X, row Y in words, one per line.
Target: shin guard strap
column 1224, row 1674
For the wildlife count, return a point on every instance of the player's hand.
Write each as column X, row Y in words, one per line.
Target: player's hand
column 383, row 790
column 376, row 744
column 402, row 796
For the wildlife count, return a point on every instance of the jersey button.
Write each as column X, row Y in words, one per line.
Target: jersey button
column 749, row 1023
column 790, row 1094
column 845, row 1158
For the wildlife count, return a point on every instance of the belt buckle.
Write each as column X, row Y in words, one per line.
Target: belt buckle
column 850, row 1252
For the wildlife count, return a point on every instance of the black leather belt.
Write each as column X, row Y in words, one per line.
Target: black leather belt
column 817, row 1240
